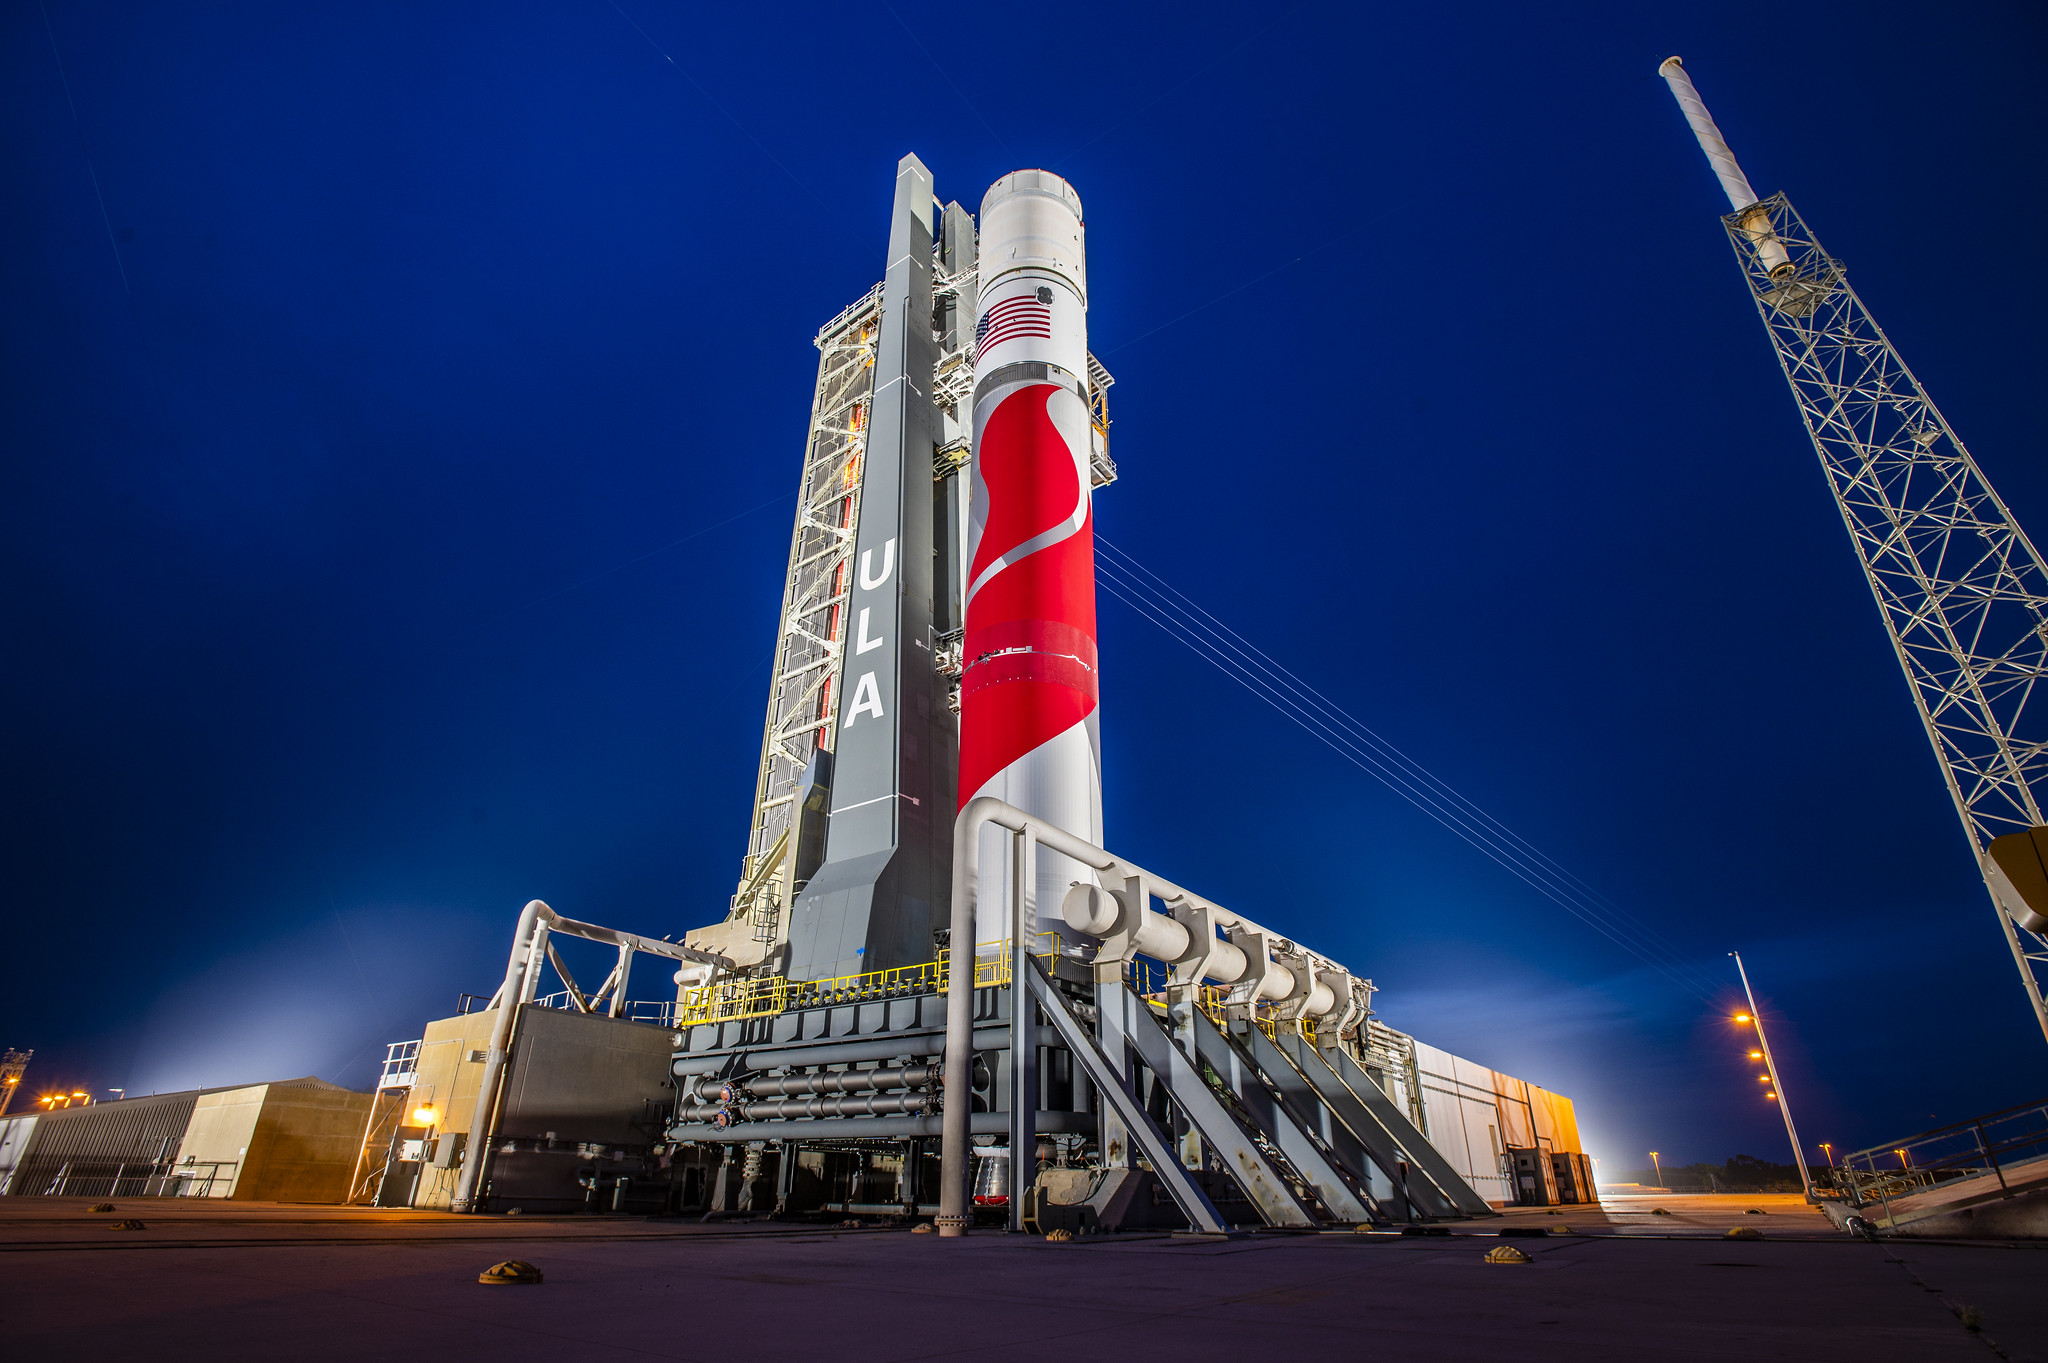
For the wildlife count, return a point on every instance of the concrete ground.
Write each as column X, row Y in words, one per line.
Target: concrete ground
column 230, row 1281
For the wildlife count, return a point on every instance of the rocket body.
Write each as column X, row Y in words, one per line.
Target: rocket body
column 1028, row 688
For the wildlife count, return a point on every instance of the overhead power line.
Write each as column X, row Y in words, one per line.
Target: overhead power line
column 1122, row 576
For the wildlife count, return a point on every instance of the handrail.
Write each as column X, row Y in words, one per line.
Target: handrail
column 737, row 999
column 1962, row 1151
column 1889, row 1146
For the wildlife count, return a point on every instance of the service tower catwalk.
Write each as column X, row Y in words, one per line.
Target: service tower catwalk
column 1028, row 692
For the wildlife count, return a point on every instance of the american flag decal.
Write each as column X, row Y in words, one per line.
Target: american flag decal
column 1011, row 319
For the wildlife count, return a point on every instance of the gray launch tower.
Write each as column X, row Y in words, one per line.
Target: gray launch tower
column 849, row 850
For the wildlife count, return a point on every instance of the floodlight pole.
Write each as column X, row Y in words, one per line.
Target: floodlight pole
column 1784, row 1107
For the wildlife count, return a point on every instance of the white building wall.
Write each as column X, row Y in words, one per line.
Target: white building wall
column 1463, row 1114
column 1475, row 1113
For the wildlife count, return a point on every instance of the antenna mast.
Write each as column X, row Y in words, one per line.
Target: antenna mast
column 1961, row 588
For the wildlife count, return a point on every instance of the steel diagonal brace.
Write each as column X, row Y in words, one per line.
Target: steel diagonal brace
column 1157, row 1145
column 1356, row 1099
column 1308, row 1149
column 1354, row 1138
column 1247, row 1164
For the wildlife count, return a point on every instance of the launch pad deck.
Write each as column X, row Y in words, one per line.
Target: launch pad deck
column 240, row 1280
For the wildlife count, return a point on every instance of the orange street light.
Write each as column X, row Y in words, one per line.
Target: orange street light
column 1763, row 1043
column 424, row 1115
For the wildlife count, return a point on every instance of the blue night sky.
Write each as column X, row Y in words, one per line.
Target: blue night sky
column 399, row 470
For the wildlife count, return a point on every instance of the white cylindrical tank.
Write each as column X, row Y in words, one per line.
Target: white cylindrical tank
column 1028, row 690
column 1091, row 911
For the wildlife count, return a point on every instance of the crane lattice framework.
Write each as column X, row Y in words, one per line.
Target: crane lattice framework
column 1962, row 590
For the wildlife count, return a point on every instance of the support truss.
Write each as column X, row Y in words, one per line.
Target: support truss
column 809, row 641
column 1962, row 590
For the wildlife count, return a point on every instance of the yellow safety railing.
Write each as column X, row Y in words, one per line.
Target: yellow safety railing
column 874, row 984
column 731, row 1000
column 992, row 959
column 734, row 1000
column 1148, row 979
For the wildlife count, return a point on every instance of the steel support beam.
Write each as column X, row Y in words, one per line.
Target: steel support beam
column 1156, row 1144
column 1233, row 1146
column 1023, row 1038
column 1345, row 1191
column 1364, row 1106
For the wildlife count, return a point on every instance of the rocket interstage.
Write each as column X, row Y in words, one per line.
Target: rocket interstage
column 1028, row 688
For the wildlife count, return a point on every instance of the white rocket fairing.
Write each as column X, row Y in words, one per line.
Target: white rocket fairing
column 1028, row 692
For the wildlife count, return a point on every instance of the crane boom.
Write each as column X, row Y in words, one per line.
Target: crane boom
column 1962, row 590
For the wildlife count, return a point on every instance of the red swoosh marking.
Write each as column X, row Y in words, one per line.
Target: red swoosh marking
column 1029, row 472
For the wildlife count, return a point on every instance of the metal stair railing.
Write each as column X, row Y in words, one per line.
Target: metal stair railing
column 1982, row 1147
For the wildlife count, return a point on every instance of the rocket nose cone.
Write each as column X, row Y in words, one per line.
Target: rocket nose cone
column 1037, row 182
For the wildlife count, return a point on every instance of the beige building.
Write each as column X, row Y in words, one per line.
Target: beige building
column 446, row 1075
column 290, row 1141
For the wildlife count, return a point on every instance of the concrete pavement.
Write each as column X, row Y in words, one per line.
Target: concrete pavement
column 246, row 1281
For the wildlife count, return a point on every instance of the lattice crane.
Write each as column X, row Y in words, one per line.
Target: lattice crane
column 1962, row 590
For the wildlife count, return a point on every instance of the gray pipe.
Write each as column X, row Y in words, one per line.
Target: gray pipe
column 704, row 1089
column 484, row 1118
column 653, row 946
column 961, row 1038
column 837, row 1081
column 1204, row 954
column 826, row 1105
column 954, row 1216
column 877, row 1128
column 684, row 1066
column 522, row 976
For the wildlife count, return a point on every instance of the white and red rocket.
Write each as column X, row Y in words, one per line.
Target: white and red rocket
column 1028, row 689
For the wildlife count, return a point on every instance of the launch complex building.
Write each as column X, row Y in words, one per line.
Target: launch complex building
column 936, row 991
